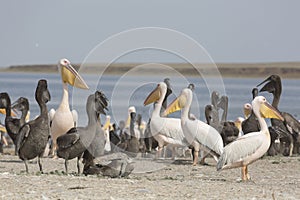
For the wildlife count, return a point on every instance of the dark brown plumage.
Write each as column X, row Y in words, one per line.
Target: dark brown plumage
column 33, row 136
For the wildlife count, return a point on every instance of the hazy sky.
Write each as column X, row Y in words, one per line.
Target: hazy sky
column 35, row 32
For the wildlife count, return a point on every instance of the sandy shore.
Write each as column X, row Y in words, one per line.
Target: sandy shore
column 272, row 178
column 284, row 69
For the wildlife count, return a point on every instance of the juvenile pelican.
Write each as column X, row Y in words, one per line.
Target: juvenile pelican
column 199, row 134
column 77, row 140
column 33, row 136
column 250, row 124
column 63, row 118
column 248, row 148
column 273, row 86
column 164, row 130
column 12, row 124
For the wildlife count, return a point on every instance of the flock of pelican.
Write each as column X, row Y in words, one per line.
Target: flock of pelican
column 232, row 144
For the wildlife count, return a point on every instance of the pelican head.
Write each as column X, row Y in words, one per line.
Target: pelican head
column 156, row 94
column 70, row 75
column 5, row 103
column 262, row 108
column 191, row 86
column 131, row 109
column 247, row 110
column 273, row 83
column 238, row 122
column 183, row 100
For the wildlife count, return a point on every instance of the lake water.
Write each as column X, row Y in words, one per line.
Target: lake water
column 125, row 91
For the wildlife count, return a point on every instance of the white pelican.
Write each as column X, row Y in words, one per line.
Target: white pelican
column 238, row 123
column 247, row 110
column 199, row 134
column 63, row 118
column 136, row 131
column 250, row 147
column 164, row 130
column 106, row 128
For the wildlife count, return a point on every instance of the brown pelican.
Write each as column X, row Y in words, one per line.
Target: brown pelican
column 248, row 148
column 199, row 134
column 78, row 139
column 273, row 86
column 164, row 130
column 63, row 118
column 12, row 124
column 33, row 136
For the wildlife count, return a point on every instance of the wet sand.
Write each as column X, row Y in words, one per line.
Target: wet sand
column 272, row 178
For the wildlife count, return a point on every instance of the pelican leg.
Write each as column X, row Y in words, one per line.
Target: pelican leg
column 193, row 154
column 173, row 153
column 196, row 154
column 158, row 153
column 244, row 176
column 40, row 164
column 53, row 151
column 247, row 174
column 66, row 165
column 291, row 148
column 78, row 165
column 26, row 166
column 203, row 156
column 16, row 150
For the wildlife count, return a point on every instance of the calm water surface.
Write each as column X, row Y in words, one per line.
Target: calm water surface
column 124, row 91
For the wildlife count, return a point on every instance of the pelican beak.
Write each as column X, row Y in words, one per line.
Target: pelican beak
column 153, row 96
column 71, row 76
column 268, row 86
column 238, row 123
column 176, row 105
column 266, row 80
column 2, row 129
column 3, row 111
column 27, row 116
column 268, row 111
column 107, row 124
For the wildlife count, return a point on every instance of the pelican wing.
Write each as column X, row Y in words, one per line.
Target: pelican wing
column 291, row 122
column 205, row 134
column 97, row 146
column 237, row 151
column 106, row 159
column 23, row 134
column 68, row 139
column 169, row 127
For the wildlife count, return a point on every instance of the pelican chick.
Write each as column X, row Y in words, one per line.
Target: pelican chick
column 248, row 148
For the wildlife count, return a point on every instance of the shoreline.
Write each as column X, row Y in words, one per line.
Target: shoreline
column 236, row 70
